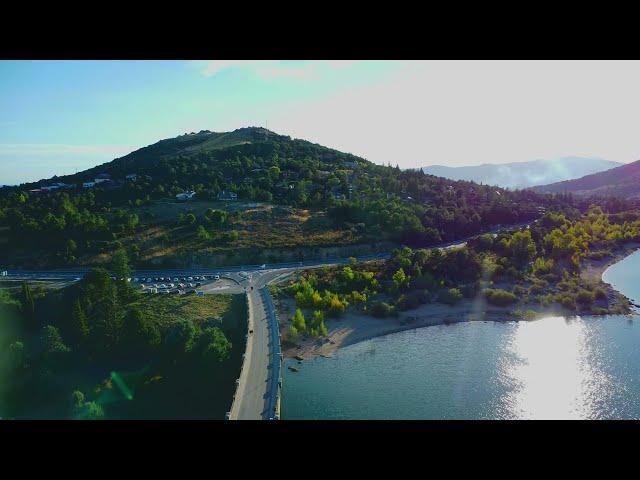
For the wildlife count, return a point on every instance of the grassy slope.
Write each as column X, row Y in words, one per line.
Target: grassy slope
column 259, row 226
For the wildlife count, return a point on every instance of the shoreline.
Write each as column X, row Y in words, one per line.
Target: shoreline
column 355, row 327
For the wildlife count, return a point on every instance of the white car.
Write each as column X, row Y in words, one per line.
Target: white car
column 217, row 277
column 190, row 278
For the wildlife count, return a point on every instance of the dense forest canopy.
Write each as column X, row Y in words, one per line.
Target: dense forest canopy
column 101, row 349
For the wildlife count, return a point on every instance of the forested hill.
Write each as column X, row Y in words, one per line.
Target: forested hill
column 215, row 156
column 357, row 200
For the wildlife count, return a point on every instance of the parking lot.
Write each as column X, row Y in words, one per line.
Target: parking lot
column 181, row 285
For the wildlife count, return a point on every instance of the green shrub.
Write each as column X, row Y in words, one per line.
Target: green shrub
column 538, row 287
column 450, row 296
column 600, row 293
column 584, row 297
column 412, row 300
column 542, row 266
column 567, row 302
column 525, row 314
column 499, row 297
column 382, row 309
column 519, row 291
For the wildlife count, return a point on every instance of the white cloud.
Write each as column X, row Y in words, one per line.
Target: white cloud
column 464, row 113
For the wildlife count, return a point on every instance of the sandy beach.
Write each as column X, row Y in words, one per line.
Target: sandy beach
column 353, row 327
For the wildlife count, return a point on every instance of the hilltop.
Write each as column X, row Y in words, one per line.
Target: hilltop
column 251, row 194
column 524, row 174
column 622, row 182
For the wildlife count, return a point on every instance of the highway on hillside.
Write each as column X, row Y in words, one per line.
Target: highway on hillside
column 76, row 274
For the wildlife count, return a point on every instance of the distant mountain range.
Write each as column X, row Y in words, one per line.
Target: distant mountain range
column 525, row 174
column 622, row 181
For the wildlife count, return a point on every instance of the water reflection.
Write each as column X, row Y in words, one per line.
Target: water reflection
column 553, row 369
column 581, row 368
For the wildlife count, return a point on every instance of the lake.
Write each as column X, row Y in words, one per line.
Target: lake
column 553, row 368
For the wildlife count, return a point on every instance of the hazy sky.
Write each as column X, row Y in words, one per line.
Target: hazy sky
column 56, row 117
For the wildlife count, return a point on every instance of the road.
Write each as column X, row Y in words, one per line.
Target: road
column 231, row 271
column 256, row 385
column 255, row 391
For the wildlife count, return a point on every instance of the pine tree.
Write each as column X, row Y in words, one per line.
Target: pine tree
column 28, row 305
column 79, row 325
column 299, row 321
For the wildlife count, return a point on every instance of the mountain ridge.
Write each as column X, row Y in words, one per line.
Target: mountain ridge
column 622, row 181
column 524, row 174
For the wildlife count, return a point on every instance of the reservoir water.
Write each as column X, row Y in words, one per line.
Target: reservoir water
column 553, row 368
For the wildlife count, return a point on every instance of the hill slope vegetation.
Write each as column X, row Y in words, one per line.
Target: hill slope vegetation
column 331, row 198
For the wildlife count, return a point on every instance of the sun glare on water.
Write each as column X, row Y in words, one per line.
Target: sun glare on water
column 553, row 371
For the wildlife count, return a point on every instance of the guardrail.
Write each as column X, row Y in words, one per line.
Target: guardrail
column 244, row 360
column 275, row 378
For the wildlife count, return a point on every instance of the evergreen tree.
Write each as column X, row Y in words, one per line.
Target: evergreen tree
column 79, row 325
column 298, row 321
column 120, row 264
column 28, row 305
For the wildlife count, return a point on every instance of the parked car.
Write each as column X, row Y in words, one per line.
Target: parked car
column 217, row 277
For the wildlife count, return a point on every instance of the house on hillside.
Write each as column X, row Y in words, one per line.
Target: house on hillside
column 226, row 196
column 88, row 184
column 132, row 177
column 185, row 196
column 102, row 177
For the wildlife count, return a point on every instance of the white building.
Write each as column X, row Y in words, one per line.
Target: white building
column 88, row 184
column 225, row 195
column 103, row 177
column 131, row 177
column 184, row 196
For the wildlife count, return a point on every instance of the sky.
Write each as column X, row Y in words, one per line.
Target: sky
column 58, row 117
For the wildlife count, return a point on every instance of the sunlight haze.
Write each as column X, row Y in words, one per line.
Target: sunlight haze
column 59, row 117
